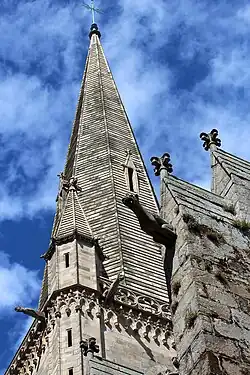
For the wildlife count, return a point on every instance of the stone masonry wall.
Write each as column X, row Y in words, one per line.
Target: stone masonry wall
column 231, row 179
column 210, row 281
column 132, row 331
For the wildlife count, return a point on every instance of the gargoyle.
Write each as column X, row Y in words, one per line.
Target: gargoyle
column 157, row 228
column 150, row 223
column 109, row 293
column 30, row 312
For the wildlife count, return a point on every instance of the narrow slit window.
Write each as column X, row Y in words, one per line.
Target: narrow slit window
column 66, row 260
column 70, row 371
column 69, row 332
column 130, row 179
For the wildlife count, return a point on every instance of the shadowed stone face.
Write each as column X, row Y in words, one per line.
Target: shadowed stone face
column 150, row 223
column 131, row 201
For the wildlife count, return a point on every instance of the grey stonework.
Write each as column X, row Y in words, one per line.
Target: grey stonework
column 211, row 268
column 94, row 239
column 134, row 331
column 104, row 284
column 97, row 153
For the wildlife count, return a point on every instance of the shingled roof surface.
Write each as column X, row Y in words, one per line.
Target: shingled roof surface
column 72, row 219
column 101, row 140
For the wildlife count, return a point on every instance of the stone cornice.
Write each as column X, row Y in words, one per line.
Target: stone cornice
column 62, row 240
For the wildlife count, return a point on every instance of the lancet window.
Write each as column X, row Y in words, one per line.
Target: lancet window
column 131, row 176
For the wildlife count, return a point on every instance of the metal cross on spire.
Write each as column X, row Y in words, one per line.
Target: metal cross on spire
column 93, row 9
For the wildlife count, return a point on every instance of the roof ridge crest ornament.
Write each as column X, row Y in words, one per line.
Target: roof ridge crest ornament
column 210, row 140
column 162, row 163
column 73, row 184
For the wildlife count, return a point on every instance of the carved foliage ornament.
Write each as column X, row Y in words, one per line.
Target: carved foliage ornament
column 143, row 303
column 135, row 309
column 71, row 184
column 161, row 163
column 67, row 185
column 210, row 139
column 89, row 346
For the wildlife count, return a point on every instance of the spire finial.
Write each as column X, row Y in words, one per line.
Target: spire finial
column 162, row 163
column 210, row 139
column 93, row 10
column 89, row 347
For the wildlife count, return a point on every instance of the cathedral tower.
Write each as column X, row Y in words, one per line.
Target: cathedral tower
column 104, row 283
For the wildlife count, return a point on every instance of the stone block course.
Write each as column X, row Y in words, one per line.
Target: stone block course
column 219, row 295
column 231, row 367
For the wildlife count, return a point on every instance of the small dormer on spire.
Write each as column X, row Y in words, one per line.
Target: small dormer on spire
column 130, row 171
column 210, row 140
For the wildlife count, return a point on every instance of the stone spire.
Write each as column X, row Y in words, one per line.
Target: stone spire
column 104, row 283
column 101, row 143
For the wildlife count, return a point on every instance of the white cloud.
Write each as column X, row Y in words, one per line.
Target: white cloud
column 41, row 62
column 232, row 68
column 243, row 14
column 18, row 284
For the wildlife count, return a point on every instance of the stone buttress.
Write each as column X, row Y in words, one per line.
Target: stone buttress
column 211, row 266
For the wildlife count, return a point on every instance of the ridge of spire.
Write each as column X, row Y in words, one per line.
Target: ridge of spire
column 101, row 134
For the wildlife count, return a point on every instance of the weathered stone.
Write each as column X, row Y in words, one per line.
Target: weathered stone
column 201, row 324
column 228, row 330
column 240, row 290
column 212, row 272
column 232, row 367
column 187, row 363
column 220, row 346
column 241, row 319
column 245, row 351
column 244, row 304
column 207, row 342
column 213, row 309
column 218, row 294
column 208, row 364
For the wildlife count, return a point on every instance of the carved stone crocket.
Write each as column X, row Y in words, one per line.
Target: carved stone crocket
column 109, row 294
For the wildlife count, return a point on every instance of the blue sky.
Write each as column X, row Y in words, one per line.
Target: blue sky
column 182, row 67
